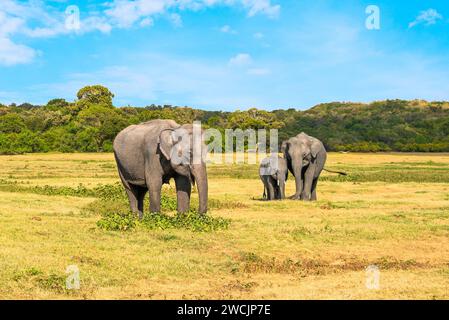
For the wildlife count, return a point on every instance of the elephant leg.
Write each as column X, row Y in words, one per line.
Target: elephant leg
column 141, row 192
column 314, row 183
column 270, row 189
column 154, row 188
column 135, row 197
column 183, row 191
column 320, row 162
column 265, row 187
column 308, row 181
column 299, row 181
column 299, row 187
column 277, row 191
column 133, row 203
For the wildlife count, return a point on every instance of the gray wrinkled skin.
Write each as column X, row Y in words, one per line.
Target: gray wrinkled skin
column 150, row 154
column 273, row 172
column 306, row 157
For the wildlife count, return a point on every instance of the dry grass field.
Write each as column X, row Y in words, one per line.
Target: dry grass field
column 392, row 211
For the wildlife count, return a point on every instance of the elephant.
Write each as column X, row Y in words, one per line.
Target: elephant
column 273, row 172
column 306, row 157
column 149, row 154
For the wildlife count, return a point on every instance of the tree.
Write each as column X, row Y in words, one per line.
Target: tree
column 57, row 104
column 91, row 123
column 108, row 122
column 11, row 123
column 254, row 119
column 96, row 94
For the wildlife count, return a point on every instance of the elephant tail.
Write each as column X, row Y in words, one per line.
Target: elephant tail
column 339, row 172
column 264, row 193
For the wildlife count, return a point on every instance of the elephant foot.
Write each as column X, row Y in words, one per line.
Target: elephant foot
column 295, row 197
column 306, row 197
column 139, row 214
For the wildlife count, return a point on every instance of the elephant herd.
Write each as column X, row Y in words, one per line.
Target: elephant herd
column 304, row 156
column 151, row 153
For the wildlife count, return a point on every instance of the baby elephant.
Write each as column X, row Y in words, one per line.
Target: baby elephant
column 273, row 172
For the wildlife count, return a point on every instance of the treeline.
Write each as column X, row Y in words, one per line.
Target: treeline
column 90, row 124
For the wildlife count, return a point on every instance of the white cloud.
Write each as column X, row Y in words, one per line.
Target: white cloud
column 93, row 23
column 147, row 22
column 176, row 20
column 259, row 72
column 38, row 19
column 126, row 13
column 8, row 24
column 227, row 29
column 258, row 35
column 35, row 19
column 427, row 17
column 12, row 53
column 242, row 59
column 201, row 84
column 245, row 61
column 262, row 7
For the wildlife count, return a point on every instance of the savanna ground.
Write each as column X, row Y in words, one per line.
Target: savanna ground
column 392, row 211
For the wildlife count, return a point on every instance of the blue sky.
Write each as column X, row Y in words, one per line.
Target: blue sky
column 225, row 54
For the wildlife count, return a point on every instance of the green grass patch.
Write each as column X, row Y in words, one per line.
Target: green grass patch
column 391, row 175
column 117, row 221
column 51, row 282
column 188, row 221
column 79, row 191
column 125, row 221
column 113, row 207
column 236, row 171
column 395, row 172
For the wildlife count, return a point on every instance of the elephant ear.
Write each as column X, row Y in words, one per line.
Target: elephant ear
column 284, row 148
column 166, row 142
column 315, row 147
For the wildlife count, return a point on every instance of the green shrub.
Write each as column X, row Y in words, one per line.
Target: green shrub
column 125, row 221
column 110, row 191
column 122, row 221
column 79, row 191
column 188, row 221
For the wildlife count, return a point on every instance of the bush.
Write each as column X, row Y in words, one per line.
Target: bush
column 189, row 221
column 125, row 221
column 122, row 221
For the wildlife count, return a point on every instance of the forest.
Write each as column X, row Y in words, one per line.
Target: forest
column 90, row 123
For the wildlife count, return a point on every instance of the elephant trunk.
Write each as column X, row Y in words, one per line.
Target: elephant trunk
column 200, row 175
column 297, row 171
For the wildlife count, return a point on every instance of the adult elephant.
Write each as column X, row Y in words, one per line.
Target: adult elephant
column 151, row 153
column 306, row 157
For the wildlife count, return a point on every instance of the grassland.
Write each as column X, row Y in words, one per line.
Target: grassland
column 391, row 211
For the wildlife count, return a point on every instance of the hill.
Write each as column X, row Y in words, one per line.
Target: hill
column 90, row 124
